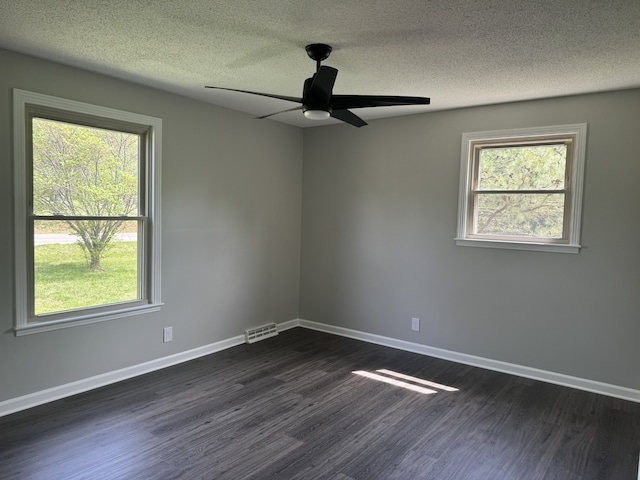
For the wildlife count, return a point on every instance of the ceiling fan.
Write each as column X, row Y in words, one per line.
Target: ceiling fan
column 318, row 101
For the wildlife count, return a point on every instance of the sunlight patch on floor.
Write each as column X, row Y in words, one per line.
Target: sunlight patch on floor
column 439, row 386
column 402, row 380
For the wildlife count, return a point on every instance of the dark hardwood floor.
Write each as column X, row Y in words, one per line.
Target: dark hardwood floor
column 290, row 407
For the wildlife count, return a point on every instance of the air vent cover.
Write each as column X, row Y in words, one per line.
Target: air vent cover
column 253, row 335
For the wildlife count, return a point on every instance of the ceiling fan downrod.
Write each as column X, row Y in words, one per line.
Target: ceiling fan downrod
column 318, row 52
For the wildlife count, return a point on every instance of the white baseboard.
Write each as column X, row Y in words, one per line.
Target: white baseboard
column 44, row 396
column 287, row 325
column 55, row 393
column 487, row 363
column 50, row 394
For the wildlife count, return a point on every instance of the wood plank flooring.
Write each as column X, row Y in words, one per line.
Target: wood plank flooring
column 290, row 407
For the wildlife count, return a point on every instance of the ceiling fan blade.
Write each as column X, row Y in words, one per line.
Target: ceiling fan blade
column 319, row 92
column 280, row 97
column 362, row 101
column 276, row 113
column 348, row 117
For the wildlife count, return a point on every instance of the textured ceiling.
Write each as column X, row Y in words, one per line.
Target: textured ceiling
column 458, row 52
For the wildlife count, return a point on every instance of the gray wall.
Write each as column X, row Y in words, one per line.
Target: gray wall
column 379, row 218
column 231, row 231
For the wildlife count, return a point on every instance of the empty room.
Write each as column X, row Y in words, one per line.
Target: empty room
column 319, row 240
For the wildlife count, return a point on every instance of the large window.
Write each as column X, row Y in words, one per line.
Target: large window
column 87, row 213
column 522, row 188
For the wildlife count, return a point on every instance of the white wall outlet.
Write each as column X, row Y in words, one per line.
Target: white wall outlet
column 167, row 334
column 415, row 324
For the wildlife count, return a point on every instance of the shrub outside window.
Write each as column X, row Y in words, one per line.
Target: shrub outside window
column 522, row 188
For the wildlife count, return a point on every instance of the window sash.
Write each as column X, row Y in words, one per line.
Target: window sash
column 473, row 213
column 142, row 272
column 567, row 140
column 59, row 115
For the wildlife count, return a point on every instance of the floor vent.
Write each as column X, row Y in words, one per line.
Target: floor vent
column 260, row 333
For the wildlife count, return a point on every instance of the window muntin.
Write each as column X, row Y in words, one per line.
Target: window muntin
column 89, row 175
column 522, row 188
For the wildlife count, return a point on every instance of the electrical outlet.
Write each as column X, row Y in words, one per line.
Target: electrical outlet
column 415, row 324
column 167, row 334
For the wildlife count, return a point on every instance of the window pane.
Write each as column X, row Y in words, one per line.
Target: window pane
column 540, row 167
column 86, row 263
column 526, row 215
column 79, row 170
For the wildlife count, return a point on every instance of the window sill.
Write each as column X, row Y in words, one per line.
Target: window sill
column 47, row 326
column 531, row 246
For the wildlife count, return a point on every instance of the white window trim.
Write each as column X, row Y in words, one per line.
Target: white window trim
column 577, row 182
column 21, row 100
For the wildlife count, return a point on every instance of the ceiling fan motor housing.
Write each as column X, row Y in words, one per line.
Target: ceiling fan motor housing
column 311, row 104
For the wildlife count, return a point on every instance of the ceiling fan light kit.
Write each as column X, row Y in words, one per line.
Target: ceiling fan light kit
column 318, row 101
column 316, row 114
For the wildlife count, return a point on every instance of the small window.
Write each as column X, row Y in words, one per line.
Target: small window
column 522, row 189
column 87, row 213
